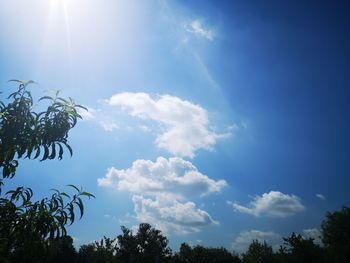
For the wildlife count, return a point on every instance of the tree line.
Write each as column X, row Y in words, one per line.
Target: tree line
column 149, row 245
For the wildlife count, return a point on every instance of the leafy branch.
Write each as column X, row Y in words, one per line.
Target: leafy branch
column 28, row 134
column 21, row 218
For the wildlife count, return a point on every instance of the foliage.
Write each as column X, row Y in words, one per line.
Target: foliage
column 127, row 245
column 336, row 235
column 258, row 253
column 301, row 249
column 202, row 254
column 98, row 252
column 136, row 248
column 86, row 254
column 25, row 223
column 62, row 250
column 29, row 230
column 148, row 245
column 105, row 249
column 28, row 134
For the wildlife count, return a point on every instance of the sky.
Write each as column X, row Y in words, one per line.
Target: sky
column 218, row 122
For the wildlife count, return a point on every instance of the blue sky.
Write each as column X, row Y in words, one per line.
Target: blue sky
column 216, row 121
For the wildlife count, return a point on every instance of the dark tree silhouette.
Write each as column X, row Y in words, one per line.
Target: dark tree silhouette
column 105, row 250
column 62, row 250
column 153, row 246
column 127, row 246
column 87, row 254
column 335, row 231
column 201, row 254
column 301, row 249
column 147, row 246
column 258, row 253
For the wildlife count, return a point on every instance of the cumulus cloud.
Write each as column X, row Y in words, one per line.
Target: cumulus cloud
column 174, row 176
column 185, row 126
column 321, row 196
column 244, row 239
column 273, row 203
column 171, row 215
column 162, row 191
column 197, row 28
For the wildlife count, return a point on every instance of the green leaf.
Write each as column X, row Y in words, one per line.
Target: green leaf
column 62, row 99
column 81, row 206
column 46, row 153
column 87, row 194
column 60, row 153
column 46, row 98
column 64, row 194
column 71, row 213
column 16, row 80
column 73, row 186
column 68, row 147
column 53, row 151
column 55, row 190
column 82, row 107
column 37, row 152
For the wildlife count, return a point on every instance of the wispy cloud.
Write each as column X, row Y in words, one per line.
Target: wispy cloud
column 321, row 196
column 185, row 124
column 100, row 117
column 88, row 114
column 273, row 203
column 109, row 126
column 198, row 29
column 163, row 190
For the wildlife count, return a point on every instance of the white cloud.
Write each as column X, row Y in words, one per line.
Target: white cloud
column 313, row 233
column 172, row 216
column 100, row 117
column 107, row 216
column 162, row 191
column 321, row 196
column 185, row 125
column 273, row 203
column 197, row 28
column 87, row 114
column 244, row 239
column 174, row 176
column 109, row 126
column 145, row 128
column 75, row 239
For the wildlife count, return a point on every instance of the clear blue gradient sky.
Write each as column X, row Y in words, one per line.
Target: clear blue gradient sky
column 215, row 121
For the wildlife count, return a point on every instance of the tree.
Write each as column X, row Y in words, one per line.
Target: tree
column 335, row 231
column 301, row 249
column 152, row 245
column 258, row 253
column 148, row 245
column 28, row 227
column 62, row 250
column 127, row 246
column 184, row 254
column 200, row 254
column 87, row 254
column 105, row 250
